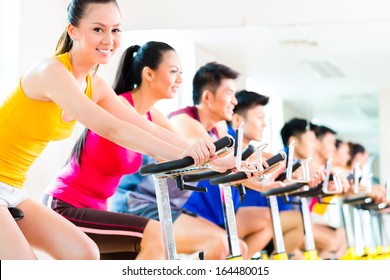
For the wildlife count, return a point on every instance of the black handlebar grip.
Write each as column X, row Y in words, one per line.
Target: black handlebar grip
column 230, row 178
column 153, row 168
column 283, row 190
column 242, row 175
column 224, row 142
column 166, row 166
column 283, row 175
column 207, row 175
column 316, row 191
column 358, row 199
column 276, row 159
column 249, row 150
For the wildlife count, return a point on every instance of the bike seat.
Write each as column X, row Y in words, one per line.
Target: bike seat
column 16, row 213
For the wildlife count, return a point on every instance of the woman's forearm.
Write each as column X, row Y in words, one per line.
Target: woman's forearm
column 144, row 142
column 171, row 137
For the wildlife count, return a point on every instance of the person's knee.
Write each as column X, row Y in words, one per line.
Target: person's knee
column 88, row 251
column 217, row 247
column 152, row 246
column 329, row 242
column 244, row 249
column 152, row 235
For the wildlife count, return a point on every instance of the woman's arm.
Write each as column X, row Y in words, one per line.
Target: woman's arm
column 107, row 99
column 161, row 120
column 49, row 80
column 189, row 128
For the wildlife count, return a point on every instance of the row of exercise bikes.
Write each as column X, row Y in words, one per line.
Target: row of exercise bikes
column 363, row 219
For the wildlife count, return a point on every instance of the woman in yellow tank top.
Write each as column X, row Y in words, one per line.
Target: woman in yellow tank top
column 50, row 97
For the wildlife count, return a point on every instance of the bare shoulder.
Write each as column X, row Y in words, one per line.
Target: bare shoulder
column 156, row 113
column 189, row 127
column 98, row 80
column 183, row 119
column 100, row 88
column 160, row 119
column 125, row 101
column 42, row 76
column 45, row 67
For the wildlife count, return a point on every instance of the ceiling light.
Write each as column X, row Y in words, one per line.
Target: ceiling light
column 324, row 68
column 299, row 43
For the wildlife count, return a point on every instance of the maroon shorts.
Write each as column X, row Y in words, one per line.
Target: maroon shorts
column 117, row 235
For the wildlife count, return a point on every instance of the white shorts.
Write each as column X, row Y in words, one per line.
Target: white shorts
column 10, row 196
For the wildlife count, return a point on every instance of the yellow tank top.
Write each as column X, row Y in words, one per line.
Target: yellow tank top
column 26, row 127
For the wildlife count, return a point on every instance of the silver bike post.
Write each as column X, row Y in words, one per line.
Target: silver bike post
column 346, row 214
column 384, row 234
column 230, row 220
column 307, row 226
column 165, row 216
column 277, row 225
column 367, row 232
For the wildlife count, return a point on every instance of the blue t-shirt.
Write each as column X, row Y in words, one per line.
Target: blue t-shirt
column 254, row 198
column 209, row 206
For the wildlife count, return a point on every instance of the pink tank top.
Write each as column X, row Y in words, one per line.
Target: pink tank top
column 103, row 163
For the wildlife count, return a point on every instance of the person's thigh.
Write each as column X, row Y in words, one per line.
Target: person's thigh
column 13, row 244
column 290, row 220
column 111, row 231
column 192, row 233
column 48, row 231
column 252, row 219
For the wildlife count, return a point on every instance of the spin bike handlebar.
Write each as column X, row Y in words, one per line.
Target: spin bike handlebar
column 315, row 191
column 283, row 190
column 207, row 175
column 242, row 175
column 153, row 168
column 286, row 189
column 283, row 175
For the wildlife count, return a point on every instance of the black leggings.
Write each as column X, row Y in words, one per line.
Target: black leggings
column 117, row 235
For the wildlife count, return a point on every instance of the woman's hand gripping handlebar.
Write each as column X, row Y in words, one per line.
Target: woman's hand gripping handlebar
column 154, row 168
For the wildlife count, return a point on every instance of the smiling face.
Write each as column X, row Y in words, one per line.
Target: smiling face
column 255, row 123
column 221, row 103
column 166, row 79
column 98, row 34
column 326, row 147
column 304, row 145
column 342, row 155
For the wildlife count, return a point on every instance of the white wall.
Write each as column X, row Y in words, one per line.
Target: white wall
column 384, row 134
column 9, row 45
column 41, row 25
